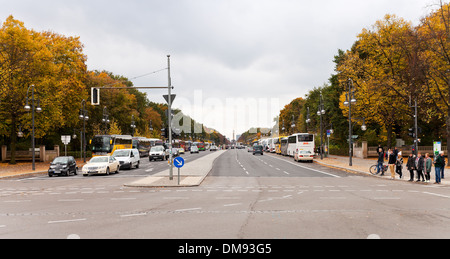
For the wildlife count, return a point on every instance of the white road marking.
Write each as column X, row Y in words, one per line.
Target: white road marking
column 133, row 215
column 66, row 221
column 308, row 168
column 191, row 209
column 234, row 204
column 436, row 194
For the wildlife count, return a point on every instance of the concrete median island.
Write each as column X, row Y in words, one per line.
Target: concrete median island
column 192, row 174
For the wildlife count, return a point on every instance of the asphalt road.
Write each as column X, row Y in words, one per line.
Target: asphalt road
column 244, row 196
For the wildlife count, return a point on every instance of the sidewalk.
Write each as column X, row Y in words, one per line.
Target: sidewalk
column 23, row 169
column 361, row 166
column 192, row 174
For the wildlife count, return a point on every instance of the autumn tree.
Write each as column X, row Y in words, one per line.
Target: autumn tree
column 53, row 63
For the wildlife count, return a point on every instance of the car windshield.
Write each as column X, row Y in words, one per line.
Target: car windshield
column 61, row 160
column 258, row 147
column 121, row 153
column 99, row 159
column 157, row 149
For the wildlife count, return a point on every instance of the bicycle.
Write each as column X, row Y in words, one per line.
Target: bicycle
column 373, row 169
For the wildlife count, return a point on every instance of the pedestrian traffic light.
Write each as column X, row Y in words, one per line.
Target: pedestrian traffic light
column 412, row 132
column 95, row 96
column 164, row 133
column 413, row 148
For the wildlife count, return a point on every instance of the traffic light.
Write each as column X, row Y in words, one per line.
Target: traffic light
column 412, row 132
column 413, row 149
column 164, row 133
column 95, row 96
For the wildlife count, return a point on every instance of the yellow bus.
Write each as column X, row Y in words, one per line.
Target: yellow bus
column 103, row 145
column 278, row 145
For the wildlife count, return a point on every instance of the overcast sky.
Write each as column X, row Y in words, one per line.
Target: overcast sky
column 266, row 53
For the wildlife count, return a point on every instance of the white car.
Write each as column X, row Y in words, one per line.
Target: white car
column 194, row 149
column 128, row 158
column 304, row 155
column 101, row 165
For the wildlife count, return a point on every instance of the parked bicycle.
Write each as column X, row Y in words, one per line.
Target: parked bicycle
column 374, row 169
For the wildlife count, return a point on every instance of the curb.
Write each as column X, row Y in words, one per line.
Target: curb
column 163, row 182
column 24, row 175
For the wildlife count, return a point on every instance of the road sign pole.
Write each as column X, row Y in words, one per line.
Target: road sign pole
column 169, row 118
column 178, row 176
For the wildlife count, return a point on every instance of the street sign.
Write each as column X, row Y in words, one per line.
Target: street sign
column 65, row 140
column 178, row 162
column 437, row 147
column 166, row 97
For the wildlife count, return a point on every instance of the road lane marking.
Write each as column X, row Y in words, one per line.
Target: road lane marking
column 122, row 199
column 191, row 209
column 133, row 215
column 436, row 194
column 66, row 221
column 308, row 168
column 233, row 204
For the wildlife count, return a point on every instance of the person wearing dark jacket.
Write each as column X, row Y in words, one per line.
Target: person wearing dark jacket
column 438, row 163
column 410, row 165
column 380, row 161
column 420, row 167
column 391, row 163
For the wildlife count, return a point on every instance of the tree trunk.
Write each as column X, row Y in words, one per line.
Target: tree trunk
column 13, row 140
column 389, row 136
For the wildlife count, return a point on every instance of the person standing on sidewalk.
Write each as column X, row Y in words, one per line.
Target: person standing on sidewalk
column 419, row 167
column 392, row 160
column 410, row 166
column 443, row 164
column 428, row 164
column 437, row 167
column 399, row 164
column 380, row 161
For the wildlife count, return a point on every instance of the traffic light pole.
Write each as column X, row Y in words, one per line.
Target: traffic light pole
column 170, row 118
column 416, row 128
column 416, row 139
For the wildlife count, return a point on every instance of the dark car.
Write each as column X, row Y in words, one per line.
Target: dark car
column 63, row 165
column 258, row 149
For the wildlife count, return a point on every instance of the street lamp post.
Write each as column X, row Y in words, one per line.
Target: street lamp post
column 84, row 116
column 349, row 100
column 320, row 112
column 32, row 108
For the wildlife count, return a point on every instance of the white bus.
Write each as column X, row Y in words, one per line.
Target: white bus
column 300, row 141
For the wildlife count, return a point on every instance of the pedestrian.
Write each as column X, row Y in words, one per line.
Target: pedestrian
column 410, row 166
column 419, row 167
column 437, row 167
column 380, row 161
column 399, row 165
column 428, row 164
column 443, row 164
column 392, row 160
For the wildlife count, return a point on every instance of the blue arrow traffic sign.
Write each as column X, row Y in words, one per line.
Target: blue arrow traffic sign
column 178, row 162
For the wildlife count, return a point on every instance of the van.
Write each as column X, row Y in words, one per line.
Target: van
column 128, row 158
column 158, row 152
